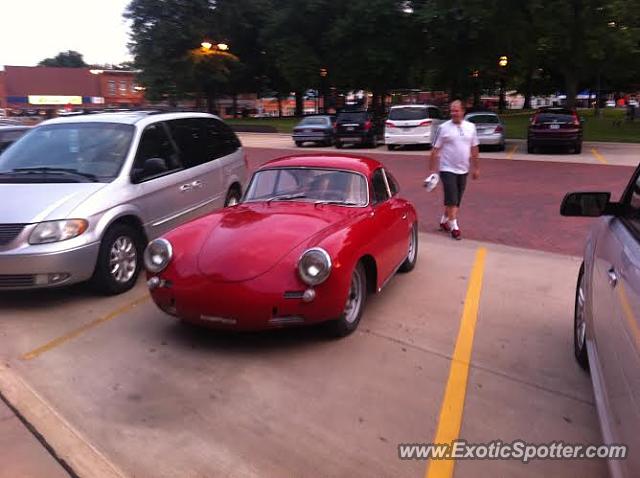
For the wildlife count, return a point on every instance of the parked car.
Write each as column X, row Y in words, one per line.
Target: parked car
column 9, row 134
column 294, row 219
column 489, row 127
column 611, row 104
column 554, row 126
column 358, row 127
column 607, row 314
column 87, row 193
column 316, row 129
column 411, row 124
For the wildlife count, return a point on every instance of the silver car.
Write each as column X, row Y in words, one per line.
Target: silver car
column 489, row 127
column 82, row 196
column 607, row 315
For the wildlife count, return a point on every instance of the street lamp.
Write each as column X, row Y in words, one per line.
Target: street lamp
column 503, row 61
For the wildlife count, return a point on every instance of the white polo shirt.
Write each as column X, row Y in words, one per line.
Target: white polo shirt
column 454, row 142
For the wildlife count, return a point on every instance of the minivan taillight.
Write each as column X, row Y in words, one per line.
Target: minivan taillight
column 367, row 125
column 389, row 124
column 576, row 120
column 425, row 123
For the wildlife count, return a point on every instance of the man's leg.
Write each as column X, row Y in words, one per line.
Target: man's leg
column 450, row 188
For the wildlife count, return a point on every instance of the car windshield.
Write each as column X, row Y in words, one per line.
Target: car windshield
column 95, row 150
column 408, row 113
column 483, row 119
column 309, row 185
column 314, row 121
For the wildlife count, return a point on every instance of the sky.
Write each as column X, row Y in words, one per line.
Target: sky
column 32, row 30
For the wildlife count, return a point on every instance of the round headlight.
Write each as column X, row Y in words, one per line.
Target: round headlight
column 157, row 255
column 314, row 266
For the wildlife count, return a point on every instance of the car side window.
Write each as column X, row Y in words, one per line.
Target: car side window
column 393, row 184
column 189, row 136
column 220, row 139
column 155, row 144
column 380, row 192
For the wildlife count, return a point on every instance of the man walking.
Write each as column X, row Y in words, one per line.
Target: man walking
column 455, row 147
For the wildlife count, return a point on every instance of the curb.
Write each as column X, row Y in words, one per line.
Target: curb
column 60, row 438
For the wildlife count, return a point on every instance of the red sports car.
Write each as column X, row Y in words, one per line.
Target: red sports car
column 311, row 238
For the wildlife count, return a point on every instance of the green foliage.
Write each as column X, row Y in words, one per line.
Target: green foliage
column 65, row 59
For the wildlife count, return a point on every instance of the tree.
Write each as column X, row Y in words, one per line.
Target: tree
column 65, row 59
column 165, row 44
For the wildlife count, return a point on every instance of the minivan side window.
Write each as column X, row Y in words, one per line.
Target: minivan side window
column 189, row 136
column 380, row 192
column 220, row 140
column 155, row 143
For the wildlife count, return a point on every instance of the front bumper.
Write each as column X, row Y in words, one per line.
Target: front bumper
column 264, row 302
column 47, row 269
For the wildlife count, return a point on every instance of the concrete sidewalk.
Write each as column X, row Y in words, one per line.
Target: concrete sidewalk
column 23, row 455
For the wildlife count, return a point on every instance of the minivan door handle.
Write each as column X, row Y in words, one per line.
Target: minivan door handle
column 613, row 277
column 185, row 188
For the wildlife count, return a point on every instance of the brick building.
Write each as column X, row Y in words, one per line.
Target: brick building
column 46, row 90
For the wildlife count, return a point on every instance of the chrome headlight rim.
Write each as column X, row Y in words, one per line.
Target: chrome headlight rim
column 81, row 225
column 152, row 266
column 314, row 281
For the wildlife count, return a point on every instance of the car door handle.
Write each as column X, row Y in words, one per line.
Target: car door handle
column 613, row 277
column 185, row 188
column 196, row 184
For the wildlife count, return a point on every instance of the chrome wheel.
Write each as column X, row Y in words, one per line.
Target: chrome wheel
column 413, row 250
column 355, row 298
column 123, row 259
column 581, row 325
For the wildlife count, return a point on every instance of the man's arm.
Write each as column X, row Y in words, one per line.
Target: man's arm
column 475, row 162
column 434, row 160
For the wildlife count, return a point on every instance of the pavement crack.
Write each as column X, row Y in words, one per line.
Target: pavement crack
column 41, row 439
column 483, row 368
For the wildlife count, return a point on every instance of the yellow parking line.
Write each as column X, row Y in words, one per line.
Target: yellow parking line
column 453, row 403
column 598, row 156
column 513, row 150
column 75, row 333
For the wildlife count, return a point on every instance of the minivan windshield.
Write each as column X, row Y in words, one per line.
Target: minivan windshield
column 76, row 151
column 408, row 113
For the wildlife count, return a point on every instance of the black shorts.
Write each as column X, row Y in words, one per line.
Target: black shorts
column 453, row 185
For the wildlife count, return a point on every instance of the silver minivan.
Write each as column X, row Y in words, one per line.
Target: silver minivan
column 606, row 339
column 80, row 197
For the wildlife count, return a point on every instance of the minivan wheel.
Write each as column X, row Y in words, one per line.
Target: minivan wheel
column 577, row 149
column 119, row 260
column 233, row 197
column 580, row 323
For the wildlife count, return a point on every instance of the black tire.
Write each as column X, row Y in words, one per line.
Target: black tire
column 233, row 197
column 374, row 142
column 104, row 280
column 391, row 147
column 299, row 144
column 350, row 317
column 338, row 144
column 412, row 254
column 579, row 320
column 501, row 147
column 530, row 148
column 577, row 149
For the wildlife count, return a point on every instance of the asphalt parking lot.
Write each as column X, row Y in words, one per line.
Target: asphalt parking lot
column 116, row 384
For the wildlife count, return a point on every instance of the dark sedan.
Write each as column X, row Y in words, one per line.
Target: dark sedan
column 555, row 127
column 315, row 129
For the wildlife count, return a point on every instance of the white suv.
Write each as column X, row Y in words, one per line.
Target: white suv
column 411, row 124
column 81, row 196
